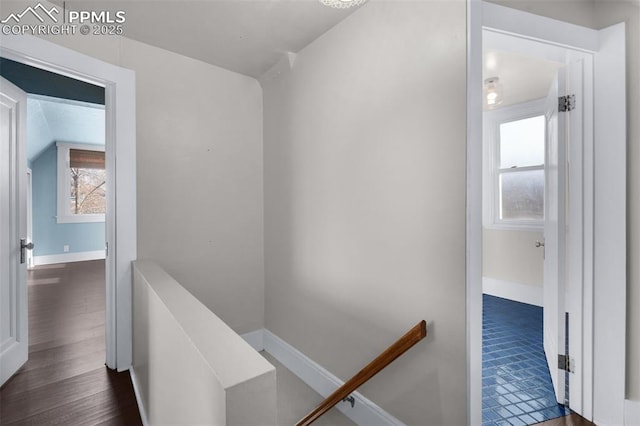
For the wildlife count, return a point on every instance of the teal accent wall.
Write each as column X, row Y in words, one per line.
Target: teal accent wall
column 50, row 237
column 41, row 82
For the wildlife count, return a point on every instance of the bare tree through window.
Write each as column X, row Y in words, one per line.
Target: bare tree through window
column 88, row 182
column 88, row 191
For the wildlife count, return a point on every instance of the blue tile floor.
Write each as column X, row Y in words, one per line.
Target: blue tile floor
column 516, row 384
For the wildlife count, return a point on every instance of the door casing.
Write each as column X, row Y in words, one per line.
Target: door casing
column 120, row 142
column 597, row 269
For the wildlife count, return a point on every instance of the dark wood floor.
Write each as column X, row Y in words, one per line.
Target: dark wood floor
column 65, row 381
column 570, row 420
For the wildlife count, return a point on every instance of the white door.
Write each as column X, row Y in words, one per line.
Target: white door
column 575, row 253
column 554, row 239
column 13, row 227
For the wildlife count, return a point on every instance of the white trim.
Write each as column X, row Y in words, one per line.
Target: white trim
column 364, row 412
column 610, row 220
column 68, row 257
column 63, row 184
column 631, row 413
column 587, row 247
column 474, row 213
column 524, row 293
column 139, row 401
column 533, row 27
column 120, row 141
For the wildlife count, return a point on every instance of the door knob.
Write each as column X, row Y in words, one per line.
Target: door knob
column 24, row 246
column 539, row 244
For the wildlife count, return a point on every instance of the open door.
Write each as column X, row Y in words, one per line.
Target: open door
column 564, row 221
column 595, row 267
column 596, row 244
column 554, row 241
column 14, row 345
column 562, row 302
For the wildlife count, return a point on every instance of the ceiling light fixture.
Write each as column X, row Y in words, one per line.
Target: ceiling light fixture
column 492, row 92
column 342, row 4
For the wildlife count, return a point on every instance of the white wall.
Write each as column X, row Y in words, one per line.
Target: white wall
column 600, row 14
column 510, row 256
column 579, row 12
column 199, row 184
column 189, row 367
column 365, row 202
column 200, row 208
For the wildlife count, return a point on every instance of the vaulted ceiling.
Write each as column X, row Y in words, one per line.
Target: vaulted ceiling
column 52, row 120
column 523, row 78
column 245, row 36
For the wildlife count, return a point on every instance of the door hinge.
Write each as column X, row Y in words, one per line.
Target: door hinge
column 565, row 363
column 567, row 103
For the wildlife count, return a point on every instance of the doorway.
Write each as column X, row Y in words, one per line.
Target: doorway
column 66, row 207
column 517, row 385
column 119, row 87
column 597, row 217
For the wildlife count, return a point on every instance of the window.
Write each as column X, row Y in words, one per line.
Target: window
column 81, row 183
column 514, row 164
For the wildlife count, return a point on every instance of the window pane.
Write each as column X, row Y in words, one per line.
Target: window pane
column 522, row 195
column 522, row 143
column 88, row 191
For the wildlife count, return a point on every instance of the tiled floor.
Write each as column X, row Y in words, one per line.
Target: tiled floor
column 516, row 385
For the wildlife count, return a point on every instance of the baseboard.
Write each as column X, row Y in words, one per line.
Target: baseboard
column 136, row 390
column 255, row 339
column 631, row 413
column 68, row 257
column 364, row 412
column 524, row 293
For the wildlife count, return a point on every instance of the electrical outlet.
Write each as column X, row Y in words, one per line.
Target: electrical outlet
column 65, row 248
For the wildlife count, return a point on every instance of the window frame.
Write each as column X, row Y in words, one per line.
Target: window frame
column 492, row 170
column 63, row 195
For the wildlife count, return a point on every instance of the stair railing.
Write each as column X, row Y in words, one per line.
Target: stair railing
column 406, row 342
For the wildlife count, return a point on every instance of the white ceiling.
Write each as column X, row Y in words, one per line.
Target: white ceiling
column 50, row 120
column 522, row 78
column 245, row 36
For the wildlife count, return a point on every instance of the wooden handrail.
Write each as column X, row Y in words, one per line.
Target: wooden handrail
column 403, row 344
